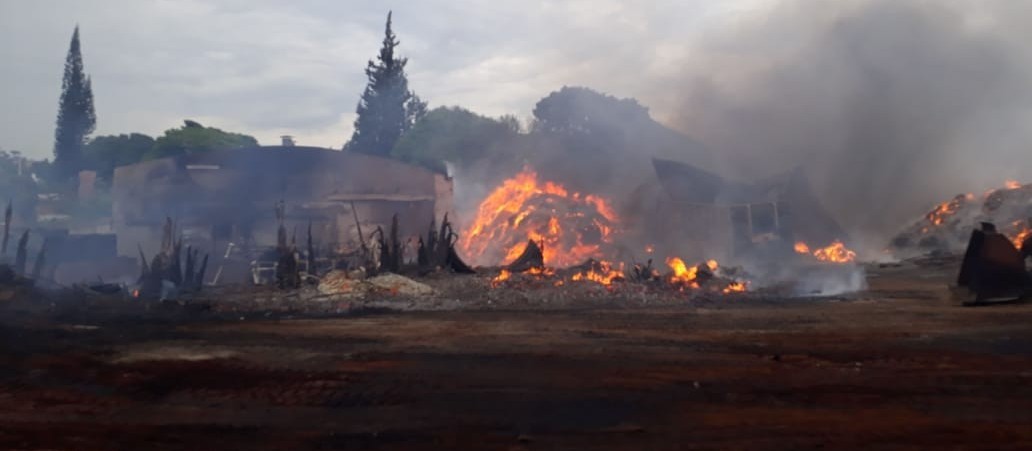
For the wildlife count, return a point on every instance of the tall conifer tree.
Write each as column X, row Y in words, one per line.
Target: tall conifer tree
column 76, row 117
column 387, row 108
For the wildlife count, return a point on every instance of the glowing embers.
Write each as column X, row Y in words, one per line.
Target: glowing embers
column 948, row 209
column 569, row 227
column 836, row 252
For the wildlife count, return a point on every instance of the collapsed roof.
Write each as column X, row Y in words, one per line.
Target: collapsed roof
column 687, row 185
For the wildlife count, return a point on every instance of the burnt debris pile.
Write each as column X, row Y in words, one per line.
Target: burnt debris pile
column 946, row 228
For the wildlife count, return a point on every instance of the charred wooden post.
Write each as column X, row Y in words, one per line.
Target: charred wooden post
column 287, row 271
column 288, row 274
column 22, row 254
column 175, row 272
column 168, row 265
column 396, row 246
column 456, row 264
column 37, row 267
column 199, row 278
column 390, row 247
column 438, row 251
column 645, row 273
column 8, row 214
column 144, row 268
column 446, row 243
column 311, row 250
column 366, row 254
column 423, row 256
column 532, row 258
column 188, row 270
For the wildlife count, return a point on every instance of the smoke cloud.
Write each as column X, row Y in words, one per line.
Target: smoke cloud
column 890, row 105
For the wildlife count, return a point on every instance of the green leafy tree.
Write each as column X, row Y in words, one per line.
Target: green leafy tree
column 387, row 108
column 581, row 111
column 104, row 153
column 193, row 137
column 456, row 135
column 76, row 117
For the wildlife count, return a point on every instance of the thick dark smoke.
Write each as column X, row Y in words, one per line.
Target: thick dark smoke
column 891, row 105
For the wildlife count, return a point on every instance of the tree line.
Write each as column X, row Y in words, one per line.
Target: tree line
column 391, row 121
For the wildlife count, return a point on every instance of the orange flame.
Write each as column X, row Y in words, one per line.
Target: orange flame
column 735, row 287
column 1012, row 184
column 683, row 274
column 604, row 274
column 1022, row 232
column 571, row 228
column 835, row 253
column 501, row 277
column 945, row 210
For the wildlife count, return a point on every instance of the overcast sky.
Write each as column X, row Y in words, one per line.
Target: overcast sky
column 269, row 67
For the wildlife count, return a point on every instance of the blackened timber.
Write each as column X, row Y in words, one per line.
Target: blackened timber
column 531, row 258
column 199, row 280
column 37, row 267
column 22, row 254
column 8, row 213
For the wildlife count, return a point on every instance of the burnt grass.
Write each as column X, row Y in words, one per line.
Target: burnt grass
column 900, row 366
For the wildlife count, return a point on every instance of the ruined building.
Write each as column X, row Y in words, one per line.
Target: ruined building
column 231, row 196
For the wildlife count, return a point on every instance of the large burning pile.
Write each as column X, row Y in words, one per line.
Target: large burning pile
column 569, row 227
column 948, row 225
column 532, row 227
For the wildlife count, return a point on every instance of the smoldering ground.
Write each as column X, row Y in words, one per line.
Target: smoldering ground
column 890, row 105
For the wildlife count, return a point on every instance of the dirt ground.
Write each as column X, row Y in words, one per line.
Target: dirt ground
column 901, row 366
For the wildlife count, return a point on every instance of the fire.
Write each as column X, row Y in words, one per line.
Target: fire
column 501, row 277
column 836, row 252
column 542, row 272
column 1021, row 232
column 570, row 227
column 1012, row 184
column 735, row 287
column 687, row 275
column 683, row 274
column 604, row 274
column 1021, row 237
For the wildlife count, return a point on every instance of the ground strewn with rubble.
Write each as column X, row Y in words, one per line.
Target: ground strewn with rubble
column 900, row 366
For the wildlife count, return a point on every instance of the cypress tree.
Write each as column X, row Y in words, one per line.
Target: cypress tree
column 387, row 108
column 76, row 118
